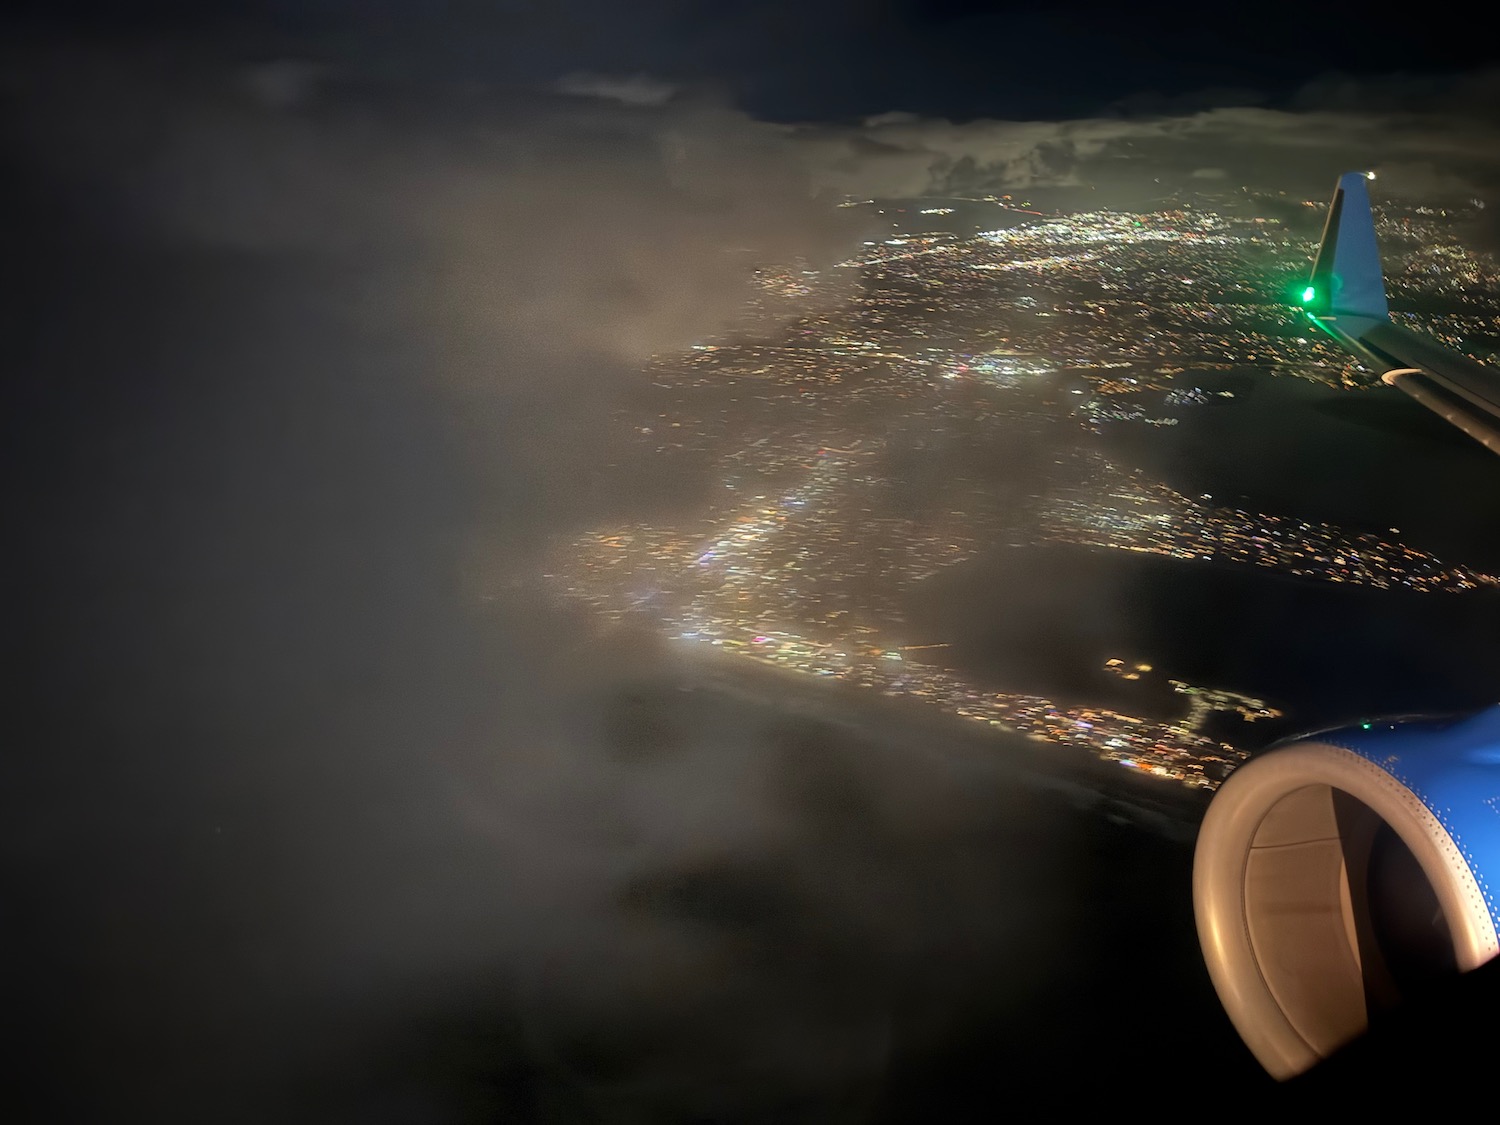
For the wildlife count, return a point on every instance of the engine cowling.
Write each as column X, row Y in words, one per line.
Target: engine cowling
column 1338, row 875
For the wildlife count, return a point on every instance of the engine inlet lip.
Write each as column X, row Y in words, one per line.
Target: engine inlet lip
column 1219, row 883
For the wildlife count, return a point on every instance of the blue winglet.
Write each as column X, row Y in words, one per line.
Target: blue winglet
column 1346, row 278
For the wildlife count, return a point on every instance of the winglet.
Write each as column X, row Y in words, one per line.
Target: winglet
column 1346, row 278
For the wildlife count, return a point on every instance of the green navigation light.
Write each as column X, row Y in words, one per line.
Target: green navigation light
column 1308, row 294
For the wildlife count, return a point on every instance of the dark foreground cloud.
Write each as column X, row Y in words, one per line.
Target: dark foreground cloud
column 285, row 343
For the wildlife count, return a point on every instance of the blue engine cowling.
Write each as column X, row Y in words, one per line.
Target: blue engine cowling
column 1339, row 874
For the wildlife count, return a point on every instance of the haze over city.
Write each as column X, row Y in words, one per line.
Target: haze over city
column 636, row 564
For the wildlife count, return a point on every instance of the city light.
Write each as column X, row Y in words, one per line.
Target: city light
column 852, row 447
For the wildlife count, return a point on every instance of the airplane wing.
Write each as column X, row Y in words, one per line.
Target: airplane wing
column 1346, row 875
column 1345, row 297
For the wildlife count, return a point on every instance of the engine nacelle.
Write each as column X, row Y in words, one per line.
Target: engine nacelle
column 1337, row 875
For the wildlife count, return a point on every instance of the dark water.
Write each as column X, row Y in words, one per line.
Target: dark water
column 1368, row 460
column 1044, row 620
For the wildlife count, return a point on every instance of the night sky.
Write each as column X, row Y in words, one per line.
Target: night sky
column 316, row 308
column 821, row 61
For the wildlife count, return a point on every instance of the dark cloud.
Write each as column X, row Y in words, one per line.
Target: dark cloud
column 533, row 250
column 293, row 790
column 1300, row 151
column 288, row 343
column 638, row 89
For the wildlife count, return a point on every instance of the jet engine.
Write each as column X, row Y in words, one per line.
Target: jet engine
column 1341, row 874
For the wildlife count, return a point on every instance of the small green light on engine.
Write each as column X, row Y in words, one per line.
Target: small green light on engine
column 1308, row 294
column 1365, row 726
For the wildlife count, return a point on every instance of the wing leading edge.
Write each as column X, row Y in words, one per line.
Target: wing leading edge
column 1345, row 297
